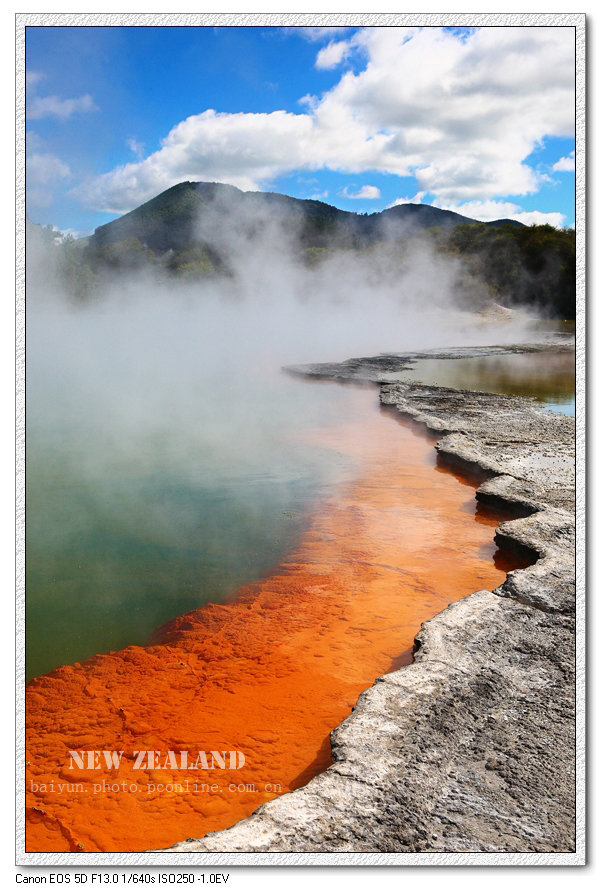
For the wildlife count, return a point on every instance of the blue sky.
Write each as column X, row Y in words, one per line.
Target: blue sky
column 480, row 121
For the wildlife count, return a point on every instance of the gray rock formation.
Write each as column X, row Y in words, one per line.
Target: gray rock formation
column 471, row 747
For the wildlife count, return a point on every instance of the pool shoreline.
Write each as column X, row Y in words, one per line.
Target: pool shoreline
column 471, row 747
column 273, row 670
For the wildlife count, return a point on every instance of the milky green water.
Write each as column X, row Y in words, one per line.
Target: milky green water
column 120, row 542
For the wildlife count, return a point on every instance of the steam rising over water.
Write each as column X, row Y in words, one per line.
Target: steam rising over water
column 157, row 479
column 167, row 455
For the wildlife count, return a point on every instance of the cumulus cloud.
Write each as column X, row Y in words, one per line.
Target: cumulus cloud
column 241, row 149
column 529, row 218
column 43, row 169
column 417, row 199
column 52, row 106
column 459, row 112
column 501, row 210
column 332, row 55
column 368, row 192
column 566, row 164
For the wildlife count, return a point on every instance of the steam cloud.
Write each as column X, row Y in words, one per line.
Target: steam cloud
column 162, row 386
column 156, row 357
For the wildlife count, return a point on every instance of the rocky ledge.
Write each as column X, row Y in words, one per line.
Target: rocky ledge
column 471, row 747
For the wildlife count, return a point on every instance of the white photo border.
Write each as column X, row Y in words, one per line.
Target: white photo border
column 297, row 859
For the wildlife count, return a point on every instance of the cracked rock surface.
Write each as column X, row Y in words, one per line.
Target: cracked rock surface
column 471, row 747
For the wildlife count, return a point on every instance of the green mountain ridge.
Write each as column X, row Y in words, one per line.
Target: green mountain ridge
column 169, row 221
column 195, row 231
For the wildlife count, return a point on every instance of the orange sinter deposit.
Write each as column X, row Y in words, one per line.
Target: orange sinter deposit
column 270, row 673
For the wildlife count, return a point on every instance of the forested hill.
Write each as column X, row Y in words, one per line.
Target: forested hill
column 172, row 220
column 194, row 231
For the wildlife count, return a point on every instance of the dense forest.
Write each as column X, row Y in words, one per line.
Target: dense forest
column 529, row 266
column 188, row 230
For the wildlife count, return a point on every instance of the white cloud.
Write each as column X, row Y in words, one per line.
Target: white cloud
column 500, row 210
column 52, row 106
column 529, row 218
column 369, row 192
column 417, row 199
column 332, row 55
column 460, row 114
column 43, row 169
column 44, row 172
column 241, row 149
column 566, row 164
column 74, row 233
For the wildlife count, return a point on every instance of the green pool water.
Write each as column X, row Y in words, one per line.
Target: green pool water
column 160, row 477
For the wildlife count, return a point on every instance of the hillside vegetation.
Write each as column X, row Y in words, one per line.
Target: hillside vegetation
column 191, row 231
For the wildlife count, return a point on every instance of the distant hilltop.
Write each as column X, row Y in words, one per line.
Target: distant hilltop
column 196, row 231
column 173, row 220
